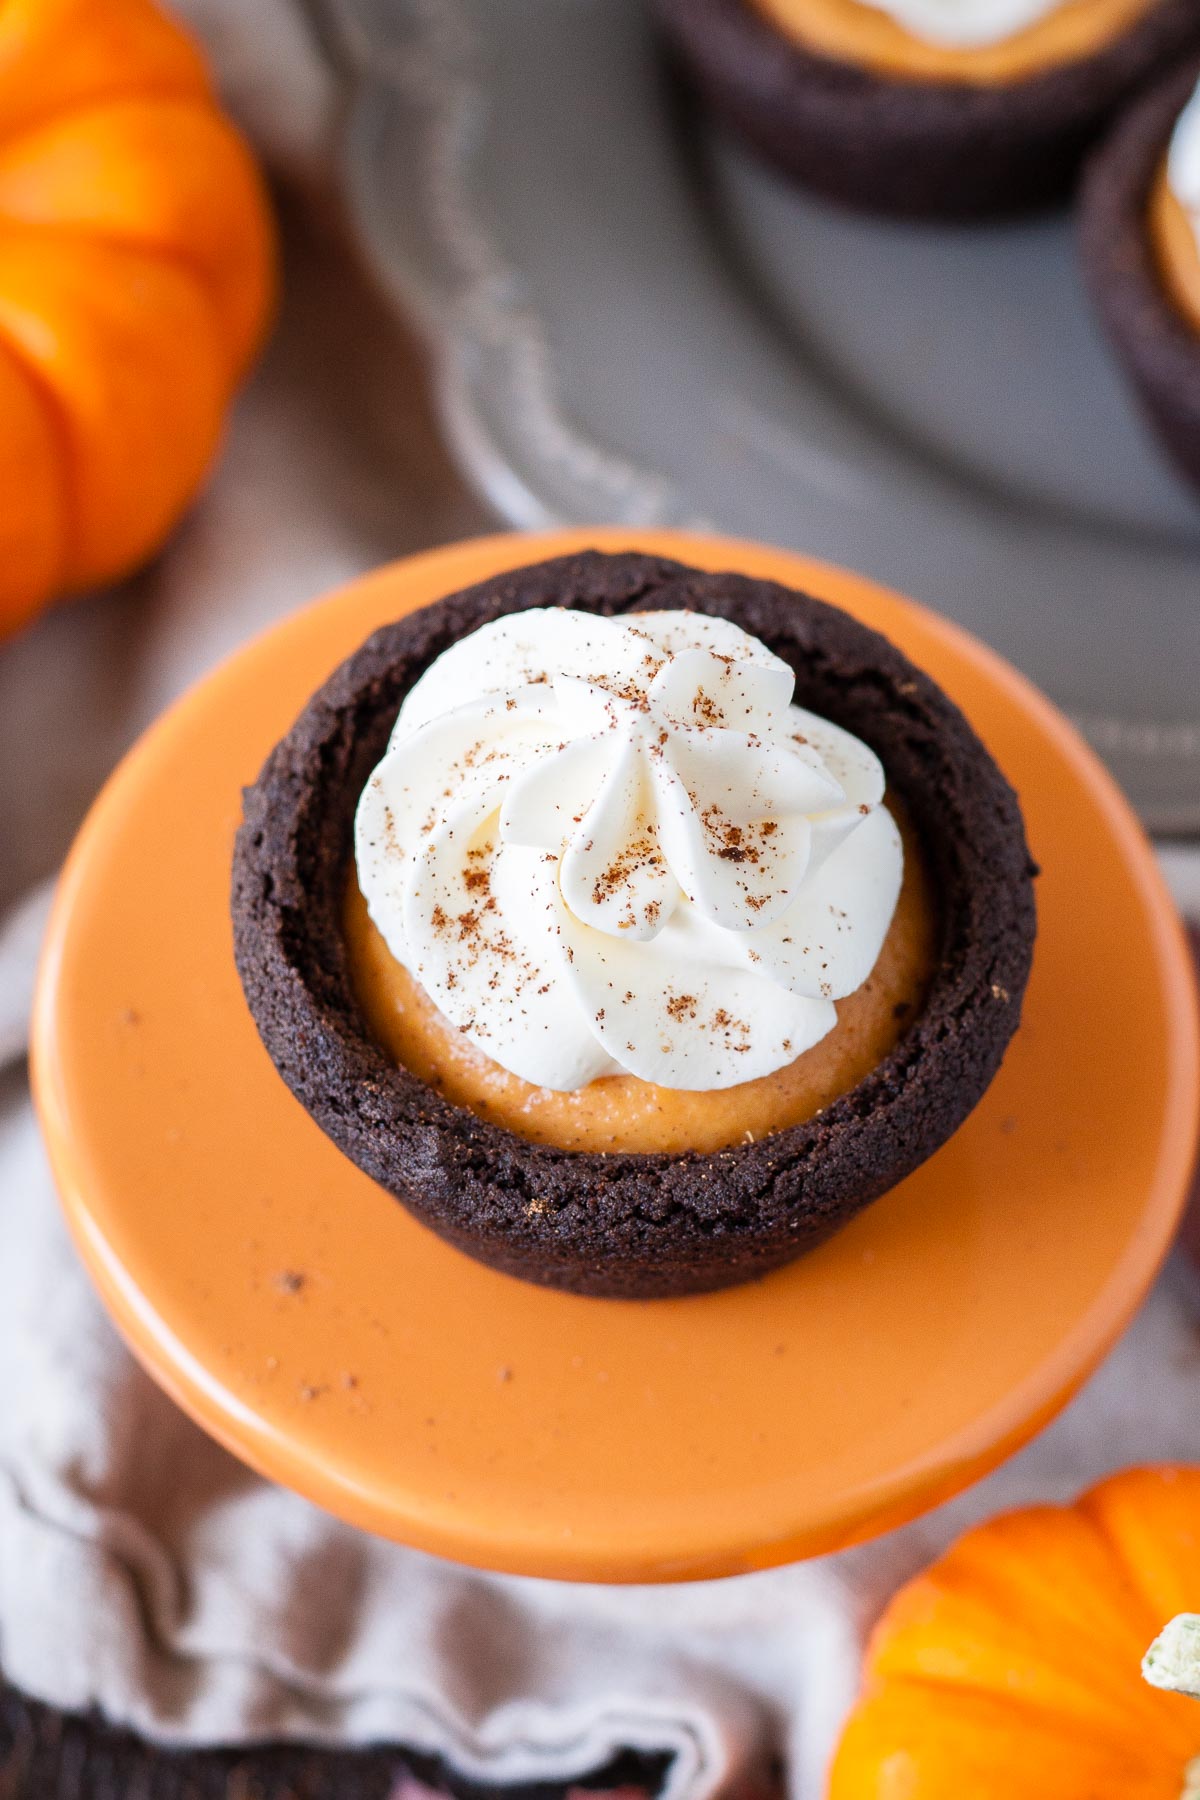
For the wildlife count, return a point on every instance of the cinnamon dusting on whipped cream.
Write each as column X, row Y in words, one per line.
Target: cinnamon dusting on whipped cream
column 613, row 845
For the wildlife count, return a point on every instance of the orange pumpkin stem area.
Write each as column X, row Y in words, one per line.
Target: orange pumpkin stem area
column 1012, row 1666
column 136, row 278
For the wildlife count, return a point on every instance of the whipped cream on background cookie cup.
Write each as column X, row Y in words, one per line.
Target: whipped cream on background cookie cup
column 924, row 108
column 986, row 42
column 1175, row 213
column 966, row 24
column 1139, row 225
column 1183, row 160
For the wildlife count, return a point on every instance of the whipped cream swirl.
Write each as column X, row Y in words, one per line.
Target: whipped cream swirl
column 1183, row 162
column 613, row 845
column 965, row 24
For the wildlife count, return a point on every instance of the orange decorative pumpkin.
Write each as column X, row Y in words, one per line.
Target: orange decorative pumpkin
column 1011, row 1668
column 136, row 274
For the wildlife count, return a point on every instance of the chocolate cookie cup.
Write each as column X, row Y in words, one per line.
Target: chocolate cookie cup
column 928, row 149
column 1158, row 348
column 622, row 1224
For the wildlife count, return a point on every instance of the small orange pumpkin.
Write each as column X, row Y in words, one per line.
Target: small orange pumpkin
column 1012, row 1667
column 136, row 275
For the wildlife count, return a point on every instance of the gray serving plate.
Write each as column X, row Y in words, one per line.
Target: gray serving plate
column 634, row 322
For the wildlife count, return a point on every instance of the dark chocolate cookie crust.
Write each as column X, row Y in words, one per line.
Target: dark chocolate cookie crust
column 1157, row 347
column 934, row 150
column 633, row 1225
column 46, row 1754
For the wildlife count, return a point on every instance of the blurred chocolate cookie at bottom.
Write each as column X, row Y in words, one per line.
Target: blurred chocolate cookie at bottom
column 50, row 1755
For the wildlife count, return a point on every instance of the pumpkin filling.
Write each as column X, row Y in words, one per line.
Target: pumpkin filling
column 855, row 32
column 1176, row 251
column 621, row 1112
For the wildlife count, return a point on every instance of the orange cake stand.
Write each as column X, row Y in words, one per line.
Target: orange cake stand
column 306, row 1321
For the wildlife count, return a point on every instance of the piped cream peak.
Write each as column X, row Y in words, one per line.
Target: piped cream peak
column 613, row 844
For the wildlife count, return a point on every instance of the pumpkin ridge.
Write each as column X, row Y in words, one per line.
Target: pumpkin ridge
column 1155, row 1481
column 963, row 1574
column 130, row 88
column 171, row 257
column 73, row 463
column 967, row 1598
column 1113, row 1733
column 60, row 430
column 108, row 542
column 931, row 1689
column 1008, row 1667
column 137, row 271
column 21, row 599
column 241, row 325
column 904, row 1742
column 991, row 1587
column 1138, row 1596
